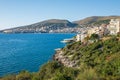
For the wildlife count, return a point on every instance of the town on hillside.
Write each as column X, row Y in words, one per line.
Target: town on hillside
column 113, row 28
column 98, row 33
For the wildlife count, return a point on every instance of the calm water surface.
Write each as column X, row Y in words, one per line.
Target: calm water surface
column 27, row 51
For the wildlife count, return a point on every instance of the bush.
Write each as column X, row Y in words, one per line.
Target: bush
column 94, row 37
column 24, row 75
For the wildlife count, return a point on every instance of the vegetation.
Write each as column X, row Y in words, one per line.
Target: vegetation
column 97, row 61
column 98, row 23
column 118, row 34
column 94, row 37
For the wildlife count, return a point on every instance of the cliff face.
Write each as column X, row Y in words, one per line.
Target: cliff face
column 60, row 57
column 67, row 60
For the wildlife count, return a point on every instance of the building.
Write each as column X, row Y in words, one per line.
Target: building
column 103, row 30
column 81, row 36
column 93, row 30
column 114, row 26
column 78, row 36
column 7, row 31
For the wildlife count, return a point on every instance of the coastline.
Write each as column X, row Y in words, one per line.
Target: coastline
column 59, row 56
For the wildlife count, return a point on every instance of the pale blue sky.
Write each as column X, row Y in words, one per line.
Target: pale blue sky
column 14, row 13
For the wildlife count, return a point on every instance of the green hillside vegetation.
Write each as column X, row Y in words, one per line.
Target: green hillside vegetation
column 98, row 23
column 97, row 61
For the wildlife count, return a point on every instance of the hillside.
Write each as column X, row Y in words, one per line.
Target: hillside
column 96, row 61
column 96, row 20
column 42, row 27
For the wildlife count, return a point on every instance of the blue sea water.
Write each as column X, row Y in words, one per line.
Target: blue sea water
column 27, row 51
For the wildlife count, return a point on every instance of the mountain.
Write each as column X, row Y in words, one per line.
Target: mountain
column 61, row 26
column 42, row 27
column 96, row 20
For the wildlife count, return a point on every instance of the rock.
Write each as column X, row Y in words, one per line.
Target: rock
column 58, row 56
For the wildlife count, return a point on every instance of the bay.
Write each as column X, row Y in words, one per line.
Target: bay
column 27, row 51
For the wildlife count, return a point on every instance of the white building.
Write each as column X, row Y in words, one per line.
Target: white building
column 81, row 36
column 92, row 30
column 7, row 31
column 78, row 37
column 114, row 26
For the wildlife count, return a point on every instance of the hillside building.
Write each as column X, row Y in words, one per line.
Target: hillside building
column 81, row 36
column 114, row 26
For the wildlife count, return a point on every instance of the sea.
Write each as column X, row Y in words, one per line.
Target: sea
column 28, row 51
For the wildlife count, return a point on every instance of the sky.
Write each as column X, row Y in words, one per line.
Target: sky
column 14, row 13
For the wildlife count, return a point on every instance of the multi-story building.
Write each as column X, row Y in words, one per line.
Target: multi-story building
column 114, row 26
column 81, row 36
column 93, row 30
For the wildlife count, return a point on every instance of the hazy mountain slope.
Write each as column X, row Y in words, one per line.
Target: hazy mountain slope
column 96, row 19
column 44, row 26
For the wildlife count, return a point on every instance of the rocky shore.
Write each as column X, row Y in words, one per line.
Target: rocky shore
column 60, row 57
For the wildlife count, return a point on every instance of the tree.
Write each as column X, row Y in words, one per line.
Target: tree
column 94, row 37
column 118, row 34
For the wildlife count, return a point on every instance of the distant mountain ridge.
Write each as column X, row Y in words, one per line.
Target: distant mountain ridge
column 56, row 25
column 96, row 19
column 43, row 27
